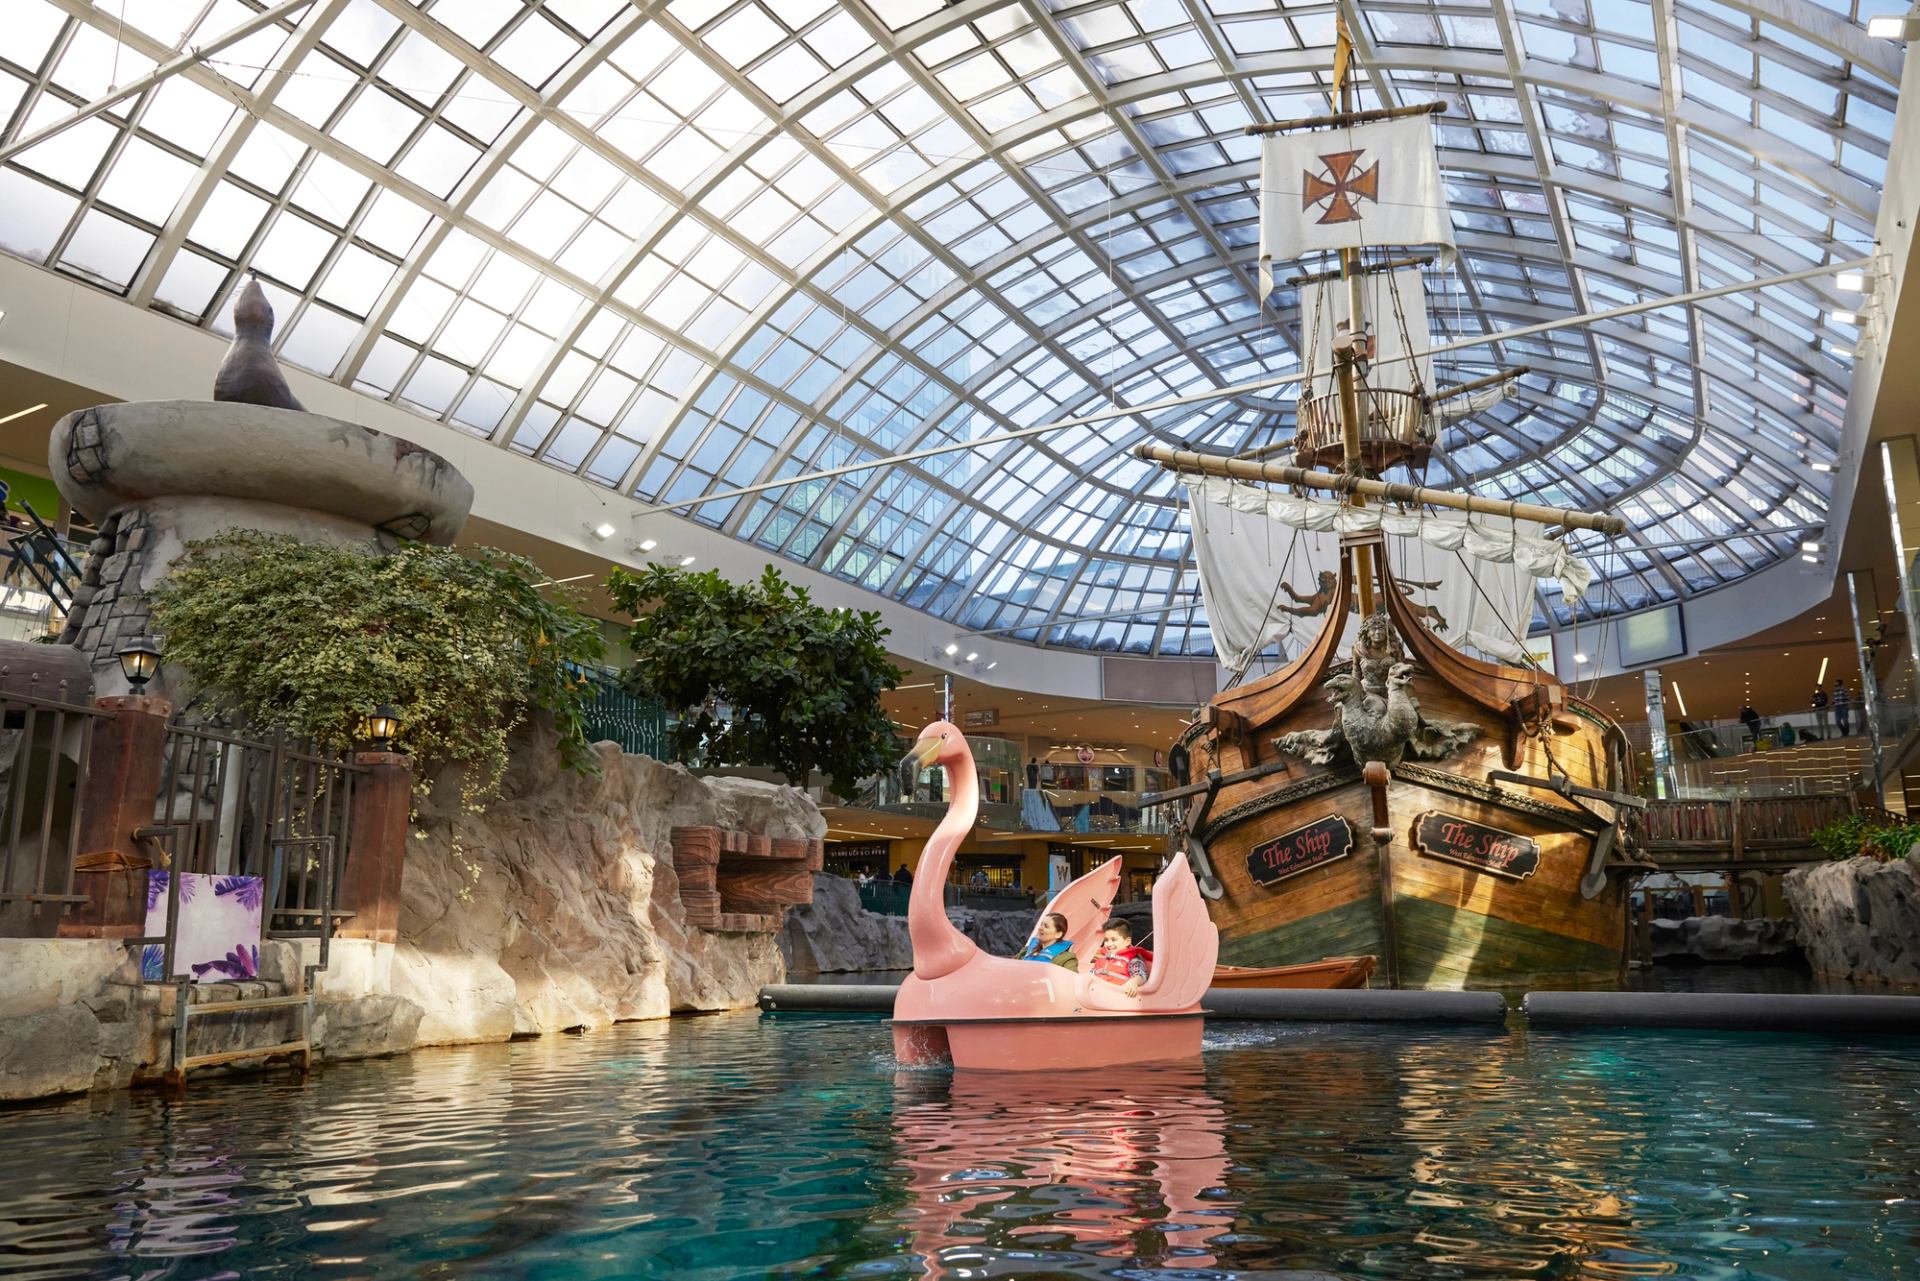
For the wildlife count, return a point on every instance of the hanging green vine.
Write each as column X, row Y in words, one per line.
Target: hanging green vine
column 314, row 637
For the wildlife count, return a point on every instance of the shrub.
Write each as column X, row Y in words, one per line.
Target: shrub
column 314, row 637
column 1880, row 836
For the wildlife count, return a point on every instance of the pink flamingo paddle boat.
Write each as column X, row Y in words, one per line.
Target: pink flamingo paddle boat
column 963, row 1006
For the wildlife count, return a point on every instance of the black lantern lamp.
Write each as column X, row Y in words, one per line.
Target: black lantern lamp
column 382, row 727
column 139, row 660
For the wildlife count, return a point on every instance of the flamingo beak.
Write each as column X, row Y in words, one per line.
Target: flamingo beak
column 918, row 757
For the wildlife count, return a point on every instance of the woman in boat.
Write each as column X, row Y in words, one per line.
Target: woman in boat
column 1049, row 944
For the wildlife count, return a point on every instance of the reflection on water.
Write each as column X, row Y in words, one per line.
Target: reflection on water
column 787, row 1147
column 1067, row 1172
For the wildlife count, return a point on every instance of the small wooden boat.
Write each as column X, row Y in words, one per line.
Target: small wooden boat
column 1332, row 972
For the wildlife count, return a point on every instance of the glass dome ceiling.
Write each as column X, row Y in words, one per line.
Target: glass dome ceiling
column 687, row 246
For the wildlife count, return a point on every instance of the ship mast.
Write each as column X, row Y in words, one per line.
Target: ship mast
column 1346, row 361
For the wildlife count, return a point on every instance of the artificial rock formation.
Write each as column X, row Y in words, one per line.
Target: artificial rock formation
column 1860, row 919
column 250, row 375
column 1722, row 938
column 560, row 908
column 836, row 935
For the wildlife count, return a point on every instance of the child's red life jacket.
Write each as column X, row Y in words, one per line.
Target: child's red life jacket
column 1118, row 968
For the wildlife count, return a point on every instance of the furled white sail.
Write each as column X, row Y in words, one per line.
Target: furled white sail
column 1261, row 553
column 1396, row 333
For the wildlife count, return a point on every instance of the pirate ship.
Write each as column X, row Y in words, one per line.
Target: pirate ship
column 1408, row 782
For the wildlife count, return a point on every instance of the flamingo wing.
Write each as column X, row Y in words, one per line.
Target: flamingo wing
column 1185, row 942
column 1086, row 904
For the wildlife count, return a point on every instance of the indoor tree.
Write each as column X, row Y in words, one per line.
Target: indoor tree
column 803, row 681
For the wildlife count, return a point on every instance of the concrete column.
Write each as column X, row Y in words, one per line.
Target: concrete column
column 117, row 797
column 377, row 847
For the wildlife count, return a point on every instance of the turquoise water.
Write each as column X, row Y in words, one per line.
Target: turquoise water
column 791, row 1147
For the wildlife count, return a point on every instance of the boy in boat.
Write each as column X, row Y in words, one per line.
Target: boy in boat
column 1049, row 944
column 1118, row 960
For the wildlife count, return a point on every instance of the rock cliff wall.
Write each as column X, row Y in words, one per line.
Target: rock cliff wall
column 836, row 935
column 1860, row 919
column 560, row 908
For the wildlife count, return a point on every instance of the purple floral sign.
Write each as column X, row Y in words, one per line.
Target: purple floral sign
column 219, row 933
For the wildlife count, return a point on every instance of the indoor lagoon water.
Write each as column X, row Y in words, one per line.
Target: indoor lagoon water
column 741, row 1146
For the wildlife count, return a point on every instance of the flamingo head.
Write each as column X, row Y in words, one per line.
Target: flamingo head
column 940, row 743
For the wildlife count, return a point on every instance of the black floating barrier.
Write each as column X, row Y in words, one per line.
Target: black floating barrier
column 1307, row 1006
column 1354, row 1005
column 1740, row 1011
column 828, row 998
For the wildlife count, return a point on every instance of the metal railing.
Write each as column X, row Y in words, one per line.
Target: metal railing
column 45, row 745
column 271, row 806
column 618, row 715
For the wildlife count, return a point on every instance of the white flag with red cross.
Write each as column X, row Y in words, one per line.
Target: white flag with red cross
column 1360, row 186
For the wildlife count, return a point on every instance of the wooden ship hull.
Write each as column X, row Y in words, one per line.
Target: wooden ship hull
column 1453, row 872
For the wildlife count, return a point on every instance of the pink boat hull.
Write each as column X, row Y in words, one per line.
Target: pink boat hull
column 1049, row 1045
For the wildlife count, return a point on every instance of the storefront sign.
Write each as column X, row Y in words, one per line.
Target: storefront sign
column 1300, row 850
column 1475, row 845
column 980, row 718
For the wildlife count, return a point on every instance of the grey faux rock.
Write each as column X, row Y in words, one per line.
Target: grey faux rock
column 1721, row 938
column 365, row 1027
column 48, row 1053
column 1860, row 919
column 836, row 935
column 250, row 375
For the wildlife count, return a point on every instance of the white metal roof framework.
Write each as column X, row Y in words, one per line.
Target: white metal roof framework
column 678, row 247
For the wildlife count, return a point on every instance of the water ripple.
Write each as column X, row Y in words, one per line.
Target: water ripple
column 792, row 1147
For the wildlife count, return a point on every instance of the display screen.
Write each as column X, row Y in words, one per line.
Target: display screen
column 1650, row 636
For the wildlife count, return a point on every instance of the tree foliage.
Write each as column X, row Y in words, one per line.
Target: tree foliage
column 315, row 637
column 804, row 681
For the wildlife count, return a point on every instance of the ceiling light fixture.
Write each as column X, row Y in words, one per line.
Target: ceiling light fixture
column 646, row 544
column 972, row 655
column 687, row 560
column 1678, row 699
column 601, row 532
column 1823, row 466
column 1893, row 26
column 1821, row 679
column 1843, row 317
column 1853, row 282
column 22, row 413
column 951, row 650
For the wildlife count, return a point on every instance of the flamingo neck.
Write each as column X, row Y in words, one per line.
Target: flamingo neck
column 939, row 948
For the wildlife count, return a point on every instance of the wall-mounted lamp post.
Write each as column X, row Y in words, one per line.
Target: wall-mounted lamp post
column 139, row 660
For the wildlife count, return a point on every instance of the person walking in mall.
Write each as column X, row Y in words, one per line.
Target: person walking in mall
column 1842, row 706
column 1751, row 719
column 1820, row 710
column 1033, row 774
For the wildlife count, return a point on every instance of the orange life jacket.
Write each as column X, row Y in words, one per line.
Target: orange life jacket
column 1118, row 968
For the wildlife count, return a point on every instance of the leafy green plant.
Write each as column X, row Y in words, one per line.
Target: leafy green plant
column 1877, row 836
column 804, row 681
column 315, row 637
